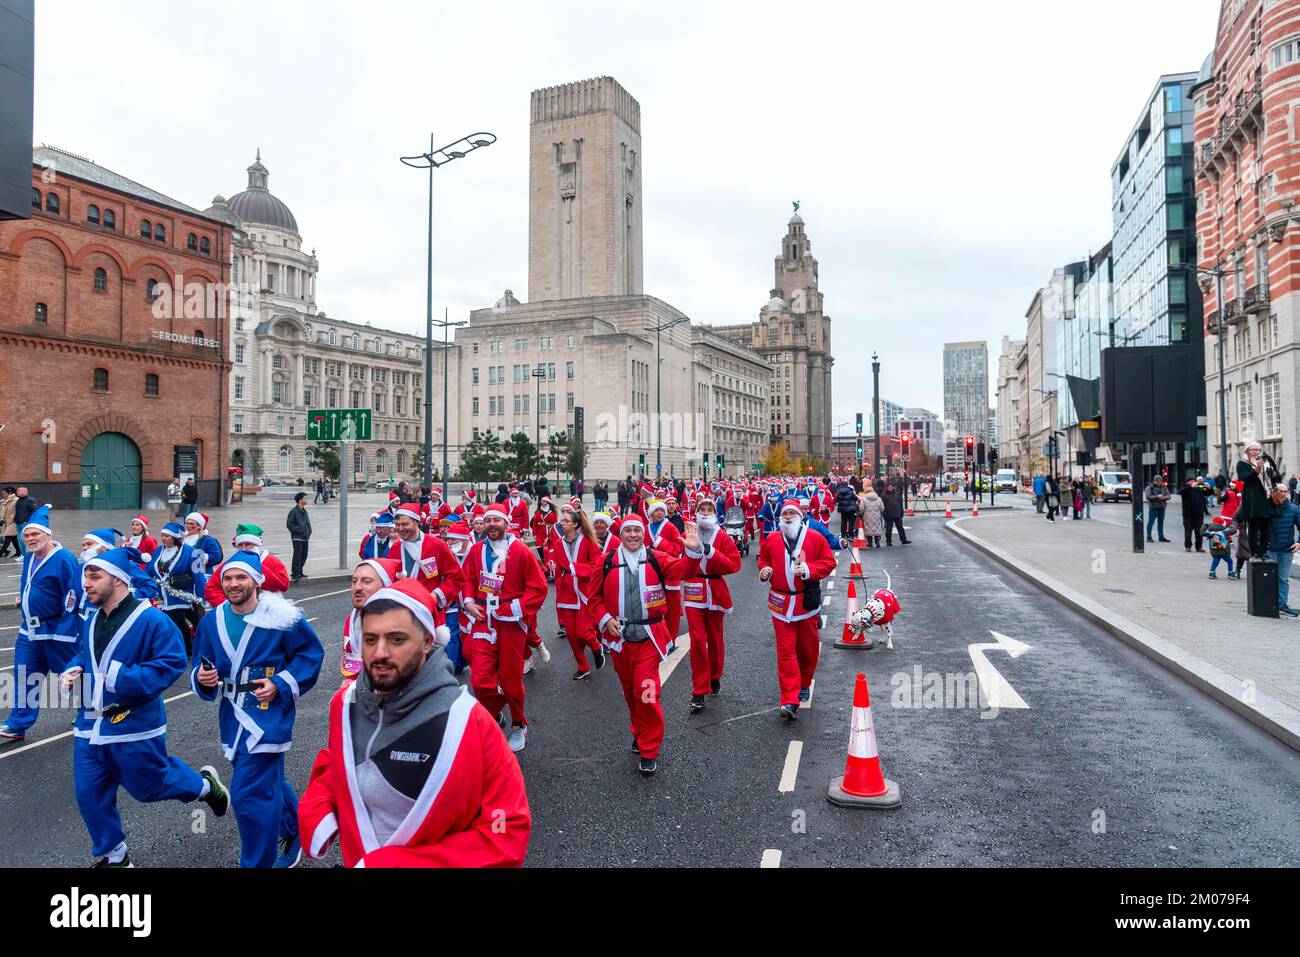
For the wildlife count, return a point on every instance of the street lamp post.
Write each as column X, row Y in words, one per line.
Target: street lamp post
column 539, row 374
column 431, row 161
column 875, row 410
column 659, row 404
column 446, row 348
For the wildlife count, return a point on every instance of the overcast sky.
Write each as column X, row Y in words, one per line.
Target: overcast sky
column 947, row 155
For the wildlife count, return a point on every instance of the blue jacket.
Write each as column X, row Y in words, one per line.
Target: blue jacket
column 210, row 547
column 770, row 514
column 49, row 591
column 1282, row 527
column 188, row 559
column 277, row 643
column 817, row 526
column 139, row 664
column 1040, row 484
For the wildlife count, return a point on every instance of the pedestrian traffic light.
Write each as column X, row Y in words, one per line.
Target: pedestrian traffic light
column 859, row 453
column 859, row 423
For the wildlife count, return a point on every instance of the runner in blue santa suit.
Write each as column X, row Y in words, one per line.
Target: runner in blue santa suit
column 48, row 624
column 374, row 546
column 128, row 655
column 180, row 568
column 770, row 514
column 98, row 542
column 265, row 656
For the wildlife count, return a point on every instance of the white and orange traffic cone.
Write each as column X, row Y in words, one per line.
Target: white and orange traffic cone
column 948, row 513
column 847, row 638
column 863, row 783
column 975, row 510
column 909, row 511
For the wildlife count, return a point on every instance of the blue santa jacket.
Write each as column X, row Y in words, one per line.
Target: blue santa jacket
column 49, row 591
column 373, row 547
column 210, row 547
column 770, row 514
column 140, row 662
column 817, row 526
column 187, row 558
column 277, row 643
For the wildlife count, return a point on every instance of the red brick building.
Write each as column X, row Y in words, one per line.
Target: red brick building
column 112, row 332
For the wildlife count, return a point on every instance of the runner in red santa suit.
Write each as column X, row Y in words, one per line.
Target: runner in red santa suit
column 601, row 523
column 427, row 559
column 709, row 557
column 504, row 586
column 517, row 511
column 627, row 598
column 368, row 577
column 572, row 556
column 751, row 503
column 414, row 773
column 141, row 539
column 467, row 507
column 822, row 504
column 662, row 536
column 437, row 509
column 543, row 525
column 789, row 559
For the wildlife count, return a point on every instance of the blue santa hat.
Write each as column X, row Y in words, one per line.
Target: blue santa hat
column 248, row 562
column 175, row 529
column 40, row 520
column 104, row 537
column 385, row 519
column 123, row 563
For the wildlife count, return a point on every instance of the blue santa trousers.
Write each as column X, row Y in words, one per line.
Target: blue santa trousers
column 144, row 768
column 455, row 647
column 266, row 809
column 33, row 660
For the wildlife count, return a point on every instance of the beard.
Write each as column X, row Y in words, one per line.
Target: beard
column 393, row 678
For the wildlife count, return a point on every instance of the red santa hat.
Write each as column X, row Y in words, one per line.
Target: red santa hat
column 468, row 493
column 143, row 521
column 460, row 530
column 412, row 596
column 496, row 510
column 631, row 521
column 198, row 518
column 411, row 510
column 575, row 503
column 792, row 503
column 389, row 570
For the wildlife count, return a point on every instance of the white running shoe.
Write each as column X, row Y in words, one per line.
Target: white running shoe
column 518, row 738
column 545, row 652
column 528, row 664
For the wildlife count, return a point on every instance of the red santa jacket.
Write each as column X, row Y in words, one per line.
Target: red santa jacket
column 823, row 503
column 147, row 545
column 273, row 570
column 436, row 569
column 571, row 573
column 472, row 811
column 785, row 595
column 669, row 541
column 519, row 587
column 605, row 594
column 704, row 586
column 542, row 524
column 518, row 515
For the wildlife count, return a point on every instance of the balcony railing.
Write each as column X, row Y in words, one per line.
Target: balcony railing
column 1248, row 103
column 1212, row 322
column 1232, row 312
column 1257, row 298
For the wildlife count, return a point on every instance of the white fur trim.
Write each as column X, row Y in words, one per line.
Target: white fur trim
column 321, row 837
column 274, row 611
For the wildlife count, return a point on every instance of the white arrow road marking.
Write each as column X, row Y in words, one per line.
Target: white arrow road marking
column 997, row 692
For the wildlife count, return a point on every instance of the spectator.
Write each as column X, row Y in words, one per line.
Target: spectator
column 320, row 491
column 8, row 525
column 601, row 492
column 299, row 525
column 174, row 496
column 24, row 505
column 624, row 495
column 189, row 497
column 1219, row 535
column 503, row 493
column 871, row 513
column 1051, row 496
column 1077, row 498
column 1040, row 493
column 846, row 503
column 1089, row 493
column 1282, row 544
column 1157, row 496
column 1195, row 508
column 893, row 499
column 542, row 488
column 1257, row 478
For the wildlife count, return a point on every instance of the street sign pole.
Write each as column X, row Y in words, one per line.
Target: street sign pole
column 343, row 506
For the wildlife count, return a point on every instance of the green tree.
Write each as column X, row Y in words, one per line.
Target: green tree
column 253, row 465
column 519, row 458
column 416, row 467
column 558, row 447
column 579, row 454
column 482, row 459
column 324, row 458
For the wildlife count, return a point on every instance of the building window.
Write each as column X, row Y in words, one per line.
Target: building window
column 518, row 403
column 151, row 384
column 239, row 424
column 42, row 312
column 239, row 323
column 356, row 341
column 474, row 410
column 36, row 198
column 306, row 395
column 205, row 246
column 239, row 354
column 292, row 420
column 277, row 392
column 100, row 380
column 570, row 342
column 475, row 348
column 159, row 233
column 331, row 398
column 568, row 370
column 151, row 291
column 52, row 202
column 1272, row 396
column 191, row 241
column 1285, row 54
column 110, row 219
column 1245, row 414
column 397, row 405
column 239, row 387
column 521, row 345
column 146, row 229
column 492, row 375
column 356, row 399
column 92, row 214
column 568, row 402
column 101, row 281
column 550, row 371
column 332, row 337
column 473, row 375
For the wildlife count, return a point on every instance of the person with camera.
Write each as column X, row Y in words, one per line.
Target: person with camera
column 794, row 562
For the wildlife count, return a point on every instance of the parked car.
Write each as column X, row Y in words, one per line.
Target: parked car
column 1006, row 480
column 269, row 482
column 1114, row 487
column 384, row 484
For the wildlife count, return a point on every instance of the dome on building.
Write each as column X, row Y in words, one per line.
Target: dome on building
column 1207, row 69
column 220, row 209
column 776, row 302
column 796, row 219
column 257, row 205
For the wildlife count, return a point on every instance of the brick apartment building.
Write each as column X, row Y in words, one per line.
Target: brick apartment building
column 112, row 324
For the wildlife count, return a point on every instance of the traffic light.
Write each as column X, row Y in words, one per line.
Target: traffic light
column 970, row 447
column 980, row 454
column 859, row 423
column 906, row 440
column 642, row 463
column 993, row 456
column 859, row 453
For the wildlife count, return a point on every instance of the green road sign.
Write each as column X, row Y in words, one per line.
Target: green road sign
column 339, row 425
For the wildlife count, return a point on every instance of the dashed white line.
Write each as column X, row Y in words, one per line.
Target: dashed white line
column 669, row 665
column 791, row 770
column 771, row 859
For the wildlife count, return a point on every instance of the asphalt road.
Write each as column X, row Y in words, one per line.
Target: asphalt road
column 1113, row 762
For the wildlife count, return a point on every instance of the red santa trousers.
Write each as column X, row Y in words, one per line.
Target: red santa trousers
column 797, row 650
column 708, row 650
column 497, row 671
column 581, row 632
column 638, row 671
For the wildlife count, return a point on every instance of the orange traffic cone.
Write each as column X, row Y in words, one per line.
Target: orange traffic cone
column 975, row 510
column 909, row 511
column 863, row 783
column 948, row 514
column 859, row 540
column 847, row 638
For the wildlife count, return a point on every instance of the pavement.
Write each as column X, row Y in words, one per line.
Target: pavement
column 1160, row 601
column 1097, row 757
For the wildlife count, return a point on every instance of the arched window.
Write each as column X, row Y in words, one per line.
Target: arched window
column 151, row 293
column 51, row 202
column 150, row 384
column 379, row 345
column 332, row 337
column 42, row 312
column 36, row 198
column 101, row 280
column 146, row 229
column 159, row 233
column 358, row 462
column 92, row 214
column 205, row 246
column 286, row 460
column 191, row 241
column 381, row 461
column 401, row 460
column 110, row 219
column 100, row 380
column 356, row 341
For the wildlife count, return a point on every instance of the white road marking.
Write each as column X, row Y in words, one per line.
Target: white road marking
column 791, row 770
column 826, row 601
column 341, row 591
column 669, row 665
column 771, row 859
column 310, row 620
column 68, row 734
column 8, row 649
column 824, row 620
column 997, row 692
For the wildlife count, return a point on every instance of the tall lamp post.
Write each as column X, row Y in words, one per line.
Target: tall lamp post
column 446, row 347
column 431, row 161
column 539, row 374
column 875, row 410
column 659, row 404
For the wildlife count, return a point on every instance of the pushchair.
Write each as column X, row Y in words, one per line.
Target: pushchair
column 734, row 523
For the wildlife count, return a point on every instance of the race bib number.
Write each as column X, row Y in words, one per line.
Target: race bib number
column 351, row 665
column 491, row 583
column 776, row 602
column 430, row 567
column 694, row 592
column 654, row 597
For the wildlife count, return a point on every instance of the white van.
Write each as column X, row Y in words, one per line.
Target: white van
column 1114, row 487
column 1005, row 480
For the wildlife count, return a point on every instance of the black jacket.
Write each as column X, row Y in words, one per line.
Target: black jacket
column 298, row 523
column 190, row 494
column 1254, row 499
column 846, row 500
column 23, row 509
column 1194, row 505
column 893, row 502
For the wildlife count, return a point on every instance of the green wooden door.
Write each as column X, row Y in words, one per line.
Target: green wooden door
column 110, row 471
